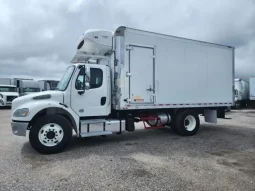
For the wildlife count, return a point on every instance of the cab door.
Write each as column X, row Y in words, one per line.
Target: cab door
column 96, row 100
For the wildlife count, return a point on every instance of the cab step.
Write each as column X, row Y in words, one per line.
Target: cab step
column 92, row 121
column 92, row 134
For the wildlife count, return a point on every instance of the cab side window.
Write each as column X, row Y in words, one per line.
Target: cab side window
column 96, row 78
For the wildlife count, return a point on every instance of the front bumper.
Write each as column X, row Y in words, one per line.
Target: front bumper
column 19, row 128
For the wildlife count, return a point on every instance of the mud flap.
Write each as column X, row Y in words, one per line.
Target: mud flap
column 221, row 113
column 130, row 126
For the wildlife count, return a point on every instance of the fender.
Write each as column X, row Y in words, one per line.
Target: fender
column 42, row 107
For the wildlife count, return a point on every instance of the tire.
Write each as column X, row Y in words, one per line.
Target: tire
column 50, row 134
column 187, row 123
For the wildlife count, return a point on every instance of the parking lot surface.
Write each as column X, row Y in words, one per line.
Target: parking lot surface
column 218, row 157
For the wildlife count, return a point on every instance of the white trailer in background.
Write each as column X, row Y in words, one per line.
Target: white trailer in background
column 26, row 86
column 241, row 93
column 5, row 81
column 252, row 91
column 44, row 85
column 129, row 76
column 47, row 84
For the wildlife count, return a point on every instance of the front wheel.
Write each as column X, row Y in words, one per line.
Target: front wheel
column 187, row 123
column 51, row 134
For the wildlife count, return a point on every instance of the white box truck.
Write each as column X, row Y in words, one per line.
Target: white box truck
column 47, row 84
column 252, row 91
column 5, row 81
column 7, row 92
column 26, row 86
column 241, row 93
column 129, row 76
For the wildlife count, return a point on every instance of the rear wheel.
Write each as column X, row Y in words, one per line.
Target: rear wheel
column 51, row 134
column 187, row 123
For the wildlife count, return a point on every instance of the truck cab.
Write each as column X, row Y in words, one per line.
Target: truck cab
column 7, row 94
column 82, row 94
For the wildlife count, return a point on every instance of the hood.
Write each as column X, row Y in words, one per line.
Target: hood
column 55, row 95
column 10, row 93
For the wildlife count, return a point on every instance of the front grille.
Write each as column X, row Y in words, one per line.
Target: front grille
column 10, row 98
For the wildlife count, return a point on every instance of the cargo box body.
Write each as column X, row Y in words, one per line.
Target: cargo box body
column 252, row 88
column 5, row 81
column 160, row 71
column 241, row 90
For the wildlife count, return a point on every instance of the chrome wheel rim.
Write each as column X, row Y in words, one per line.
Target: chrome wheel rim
column 51, row 134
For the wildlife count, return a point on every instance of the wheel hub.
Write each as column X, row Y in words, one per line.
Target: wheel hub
column 190, row 123
column 51, row 134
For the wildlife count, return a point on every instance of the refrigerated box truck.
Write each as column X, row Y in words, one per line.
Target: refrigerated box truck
column 241, row 93
column 119, row 79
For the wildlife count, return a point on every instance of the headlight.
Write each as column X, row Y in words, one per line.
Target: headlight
column 21, row 112
column 1, row 96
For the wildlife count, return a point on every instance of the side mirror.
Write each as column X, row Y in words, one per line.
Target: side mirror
column 86, row 78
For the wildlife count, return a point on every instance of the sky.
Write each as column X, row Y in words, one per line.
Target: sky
column 38, row 38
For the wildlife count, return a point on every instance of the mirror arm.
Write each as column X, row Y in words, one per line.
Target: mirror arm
column 84, row 77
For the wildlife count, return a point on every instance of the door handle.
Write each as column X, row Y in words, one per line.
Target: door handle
column 103, row 100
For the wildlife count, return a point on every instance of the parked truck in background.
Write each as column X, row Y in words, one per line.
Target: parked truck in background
column 26, row 86
column 129, row 76
column 5, row 81
column 252, row 92
column 47, row 84
column 8, row 92
column 241, row 93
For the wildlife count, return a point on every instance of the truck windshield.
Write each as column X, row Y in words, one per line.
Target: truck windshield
column 8, row 89
column 62, row 85
column 27, row 90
